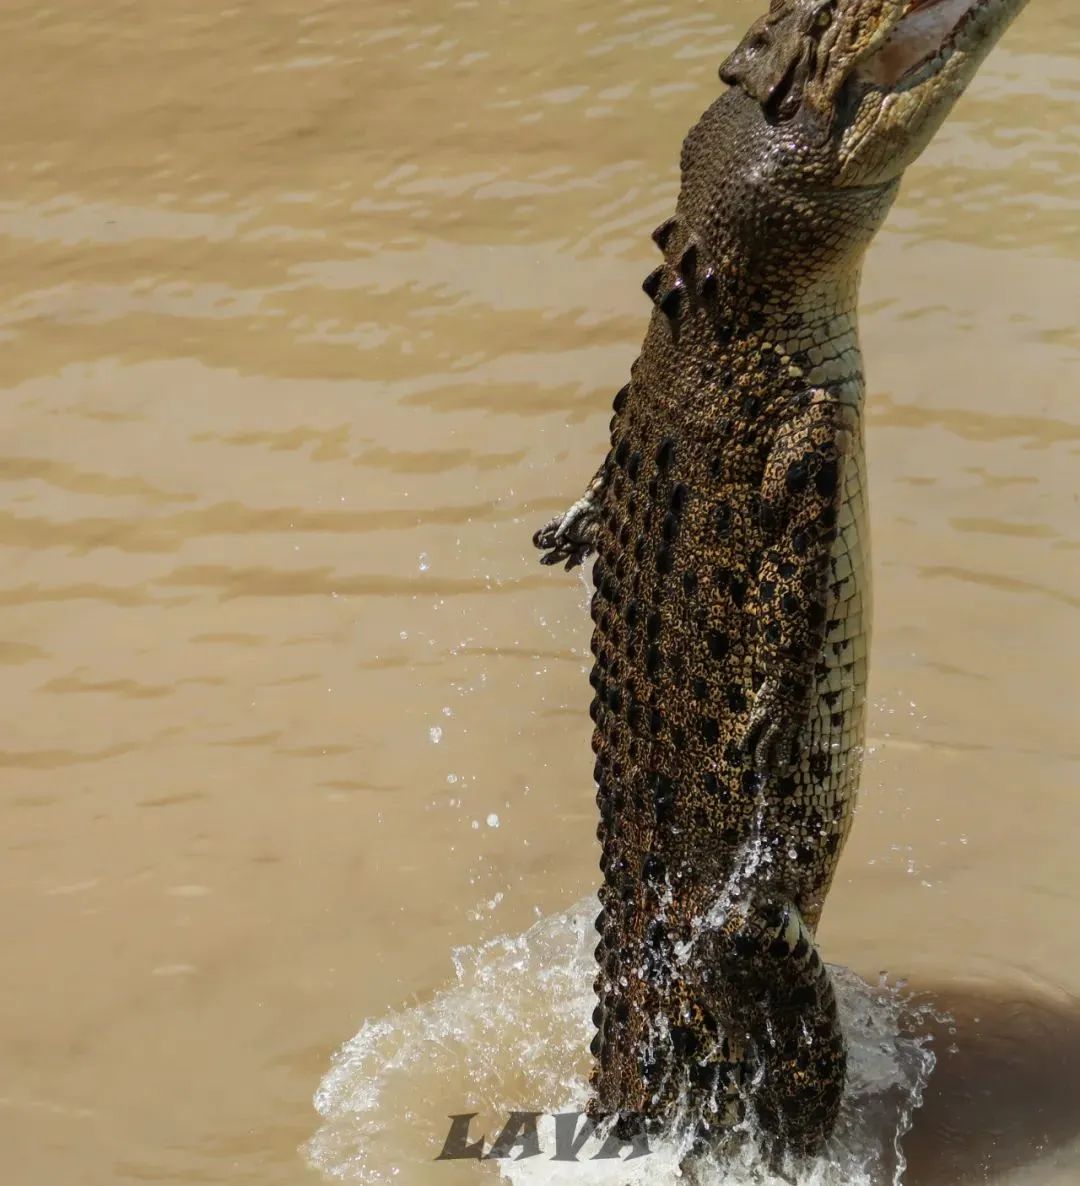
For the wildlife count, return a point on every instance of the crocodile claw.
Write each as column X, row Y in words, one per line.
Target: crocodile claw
column 570, row 537
column 774, row 738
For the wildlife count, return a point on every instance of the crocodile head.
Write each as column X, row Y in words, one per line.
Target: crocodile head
column 868, row 82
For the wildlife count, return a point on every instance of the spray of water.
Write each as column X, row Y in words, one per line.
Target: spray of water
column 512, row 1035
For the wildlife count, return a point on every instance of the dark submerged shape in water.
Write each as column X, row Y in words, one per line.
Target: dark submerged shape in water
column 732, row 607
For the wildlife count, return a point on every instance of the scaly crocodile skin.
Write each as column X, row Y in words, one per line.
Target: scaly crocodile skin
column 732, row 598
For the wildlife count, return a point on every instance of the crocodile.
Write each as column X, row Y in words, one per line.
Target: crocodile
column 731, row 603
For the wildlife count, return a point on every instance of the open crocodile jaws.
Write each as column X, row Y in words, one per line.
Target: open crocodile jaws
column 732, row 602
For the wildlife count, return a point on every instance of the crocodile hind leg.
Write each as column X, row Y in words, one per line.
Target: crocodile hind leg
column 758, row 972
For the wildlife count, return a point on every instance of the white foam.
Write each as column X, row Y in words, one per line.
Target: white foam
column 512, row 1035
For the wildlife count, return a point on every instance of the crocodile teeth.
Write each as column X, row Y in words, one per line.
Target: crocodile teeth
column 671, row 301
column 662, row 235
column 652, row 283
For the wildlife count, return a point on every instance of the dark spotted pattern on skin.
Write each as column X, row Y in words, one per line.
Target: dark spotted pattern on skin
column 734, row 582
column 731, row 605
column 730, row 675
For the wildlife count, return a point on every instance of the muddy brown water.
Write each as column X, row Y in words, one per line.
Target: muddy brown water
column 310, row 313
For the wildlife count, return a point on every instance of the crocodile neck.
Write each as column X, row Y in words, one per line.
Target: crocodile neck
column 820, row 326
column 785, row 257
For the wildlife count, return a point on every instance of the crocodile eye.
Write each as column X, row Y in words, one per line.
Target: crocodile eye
column 824, row 18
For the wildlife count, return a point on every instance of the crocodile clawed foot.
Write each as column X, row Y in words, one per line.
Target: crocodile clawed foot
column 775, row 732
column 570, row 537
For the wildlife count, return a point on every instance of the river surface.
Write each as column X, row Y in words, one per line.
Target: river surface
column 311, row 312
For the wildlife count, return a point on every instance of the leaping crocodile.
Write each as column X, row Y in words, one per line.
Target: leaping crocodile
column 732, row 599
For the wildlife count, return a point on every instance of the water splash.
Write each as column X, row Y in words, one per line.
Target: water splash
column 512, row 1034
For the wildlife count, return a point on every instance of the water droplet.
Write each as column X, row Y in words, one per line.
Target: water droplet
column 493, row 820
column 424, row 564
column 435, row 733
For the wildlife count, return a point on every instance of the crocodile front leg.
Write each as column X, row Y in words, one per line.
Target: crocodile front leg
column 571, row 536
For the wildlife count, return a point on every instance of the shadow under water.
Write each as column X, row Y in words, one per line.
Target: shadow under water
column 1006, row 1089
